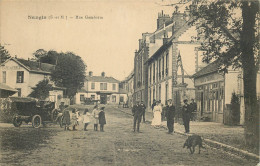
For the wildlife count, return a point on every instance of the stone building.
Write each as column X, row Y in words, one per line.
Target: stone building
column 128, row 85
column 101, row 88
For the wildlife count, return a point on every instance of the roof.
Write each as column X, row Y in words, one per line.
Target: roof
column 33, row 66
column 23, row 99
column 36, row 66
column 101, row 79
column 6, row 87
column 185, row 26
column 211, row 68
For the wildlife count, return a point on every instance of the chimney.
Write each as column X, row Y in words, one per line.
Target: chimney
column 90, row 73
column 103, row 74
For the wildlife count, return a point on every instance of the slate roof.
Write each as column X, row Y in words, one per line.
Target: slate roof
column 36, row 67
column 101, row 79
column 211, row 68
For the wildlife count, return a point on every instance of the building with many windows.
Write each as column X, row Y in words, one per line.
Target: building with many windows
column 102, row 88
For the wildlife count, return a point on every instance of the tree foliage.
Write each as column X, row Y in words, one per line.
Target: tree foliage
column 69, row 72
column 46, row 56
column 4, row 55
column 41, row 91
column 231, row 30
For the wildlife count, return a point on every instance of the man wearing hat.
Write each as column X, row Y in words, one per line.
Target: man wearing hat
column 170, row 113
column 186, row 116
column 137, row 113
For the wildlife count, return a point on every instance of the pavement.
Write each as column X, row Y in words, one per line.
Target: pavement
column 118, row 145
column 216, row 135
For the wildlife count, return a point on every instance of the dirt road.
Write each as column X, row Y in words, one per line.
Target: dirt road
column 118, row 145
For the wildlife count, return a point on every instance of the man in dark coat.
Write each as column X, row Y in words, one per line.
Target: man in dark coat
column 193, row 108
column 186, row 116
column 137, row 113
column 142, row 107
column 170, row 113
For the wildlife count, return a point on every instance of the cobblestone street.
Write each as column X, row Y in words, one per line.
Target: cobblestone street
column 118, row 145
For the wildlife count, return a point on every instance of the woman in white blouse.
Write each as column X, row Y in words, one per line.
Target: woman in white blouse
column 157, row 110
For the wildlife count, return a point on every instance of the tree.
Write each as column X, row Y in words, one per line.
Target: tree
column 233, row 39
column 41, row 91
column 46, row 57
column 4, row 55
column 69, row 72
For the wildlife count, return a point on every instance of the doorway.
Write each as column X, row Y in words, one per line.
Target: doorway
column 103, row 99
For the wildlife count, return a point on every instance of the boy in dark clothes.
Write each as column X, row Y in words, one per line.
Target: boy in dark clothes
column 102, row 119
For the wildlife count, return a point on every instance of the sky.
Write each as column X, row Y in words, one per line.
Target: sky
column 106, row 43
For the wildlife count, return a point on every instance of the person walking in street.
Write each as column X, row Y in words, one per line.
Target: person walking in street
column 170, row 113
column 86, row 119
column 95, row 113
column 66, row 119
column 102, row 119
column 137, row 113
column 142, row 107
column 74, row 121
column 193, row 108
column 157, row 110
column 186, row 116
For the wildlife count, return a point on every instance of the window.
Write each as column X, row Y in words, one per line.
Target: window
column 113, row 98
column 93, row 85
column 114, row 86
column 163, row 67
column 93, row 97
column 150, row 73
column 19, row 92
column 82, row 97
column 4, row 77
column 20, row 75
column 103, row 86
column 159, row 68
column 167, row 63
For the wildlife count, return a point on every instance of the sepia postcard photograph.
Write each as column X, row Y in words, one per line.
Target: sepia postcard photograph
column 129, row 82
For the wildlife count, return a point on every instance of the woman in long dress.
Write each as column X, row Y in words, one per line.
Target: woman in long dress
column 157, row 110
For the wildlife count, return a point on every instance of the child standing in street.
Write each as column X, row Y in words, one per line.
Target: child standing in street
column 66, row 119
column 95, row 114
column 86, row 119
column 102, row 119
column 74, row 119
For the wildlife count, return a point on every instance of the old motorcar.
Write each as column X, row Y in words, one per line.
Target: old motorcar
column 31, row 110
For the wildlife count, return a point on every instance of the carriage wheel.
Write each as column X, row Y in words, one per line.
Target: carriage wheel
column 16, row 122
column 54, row 114
column 36, row 121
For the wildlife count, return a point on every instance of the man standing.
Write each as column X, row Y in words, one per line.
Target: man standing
column 170, row 113
column 142, row 107
column 137, row 113
column 193, row 108
column 186, row 116
column 154, row 104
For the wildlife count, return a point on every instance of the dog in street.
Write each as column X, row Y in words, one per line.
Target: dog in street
column 192, row 141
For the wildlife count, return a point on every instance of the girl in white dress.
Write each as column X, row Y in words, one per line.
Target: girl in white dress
column 86, row 119
column 157, row 110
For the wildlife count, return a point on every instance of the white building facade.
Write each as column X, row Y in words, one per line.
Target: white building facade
column 101, row 88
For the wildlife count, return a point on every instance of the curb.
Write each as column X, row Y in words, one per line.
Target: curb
column 226, row 148
column 218, row 145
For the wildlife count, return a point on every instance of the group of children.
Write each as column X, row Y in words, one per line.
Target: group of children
column 75, row 118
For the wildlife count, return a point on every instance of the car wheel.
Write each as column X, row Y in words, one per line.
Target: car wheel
column 16, row 122
column 36, row 121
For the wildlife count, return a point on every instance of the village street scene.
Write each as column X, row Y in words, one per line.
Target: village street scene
column 161, row 82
